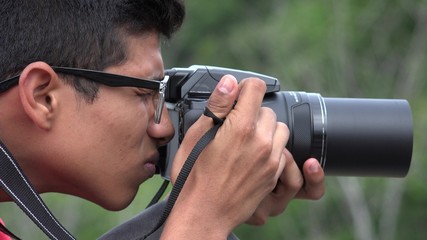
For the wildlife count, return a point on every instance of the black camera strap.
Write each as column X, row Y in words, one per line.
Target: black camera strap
column 19, row 188
column 186, row 169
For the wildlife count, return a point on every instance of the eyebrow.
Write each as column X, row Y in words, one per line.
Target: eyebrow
column 154, row 77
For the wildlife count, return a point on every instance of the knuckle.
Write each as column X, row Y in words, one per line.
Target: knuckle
column 317, row 195
column 269, row 113
column 258, row 219
column 272, row 185
column 283, row 127
column 218, row 106
column 296, row 184
column 247, row 129
column 270, row 174
column 265, row 145
column 256, row 83
column 278, row 210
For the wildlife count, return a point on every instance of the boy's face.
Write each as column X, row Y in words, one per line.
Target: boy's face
column 112, row 143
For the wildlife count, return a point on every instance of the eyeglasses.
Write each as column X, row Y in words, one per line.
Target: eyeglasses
column 111, row 80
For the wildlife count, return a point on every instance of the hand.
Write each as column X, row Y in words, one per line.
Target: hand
column 292, row 184
column 237, row 170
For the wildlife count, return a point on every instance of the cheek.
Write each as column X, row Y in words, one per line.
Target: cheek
column 119, row 120
column 126, row 127
column 114, row 124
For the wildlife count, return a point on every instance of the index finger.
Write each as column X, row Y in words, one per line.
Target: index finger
column 252, row 91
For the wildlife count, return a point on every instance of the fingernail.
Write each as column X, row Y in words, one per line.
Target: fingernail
column 227, row 84
column 314, row 167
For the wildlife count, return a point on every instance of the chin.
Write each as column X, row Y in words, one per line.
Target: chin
column 116, row 202
column 116, row 205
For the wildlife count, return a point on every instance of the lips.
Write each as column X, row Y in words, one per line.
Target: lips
column 150, row 168
column 150, row 164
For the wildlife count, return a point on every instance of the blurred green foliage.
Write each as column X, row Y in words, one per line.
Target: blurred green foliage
column 339, row 48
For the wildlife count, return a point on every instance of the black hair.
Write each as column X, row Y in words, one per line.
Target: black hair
column 78, row 33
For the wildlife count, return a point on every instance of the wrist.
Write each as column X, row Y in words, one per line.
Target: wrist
column 190, row 219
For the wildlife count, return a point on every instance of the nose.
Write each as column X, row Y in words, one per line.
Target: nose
column 163, row 131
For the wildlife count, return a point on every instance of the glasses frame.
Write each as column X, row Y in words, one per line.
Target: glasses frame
column 108, row 79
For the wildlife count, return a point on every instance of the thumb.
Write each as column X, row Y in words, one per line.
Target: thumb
column 220, row 103
column 223, row 97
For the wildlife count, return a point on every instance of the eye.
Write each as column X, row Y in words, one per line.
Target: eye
column 145, row 93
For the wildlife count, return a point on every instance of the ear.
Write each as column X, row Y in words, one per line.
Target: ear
column 37, row 90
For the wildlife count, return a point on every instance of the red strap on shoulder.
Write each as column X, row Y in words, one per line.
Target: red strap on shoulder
column 2, row 235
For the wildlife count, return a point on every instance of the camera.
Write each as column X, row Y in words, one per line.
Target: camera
column 348, row 136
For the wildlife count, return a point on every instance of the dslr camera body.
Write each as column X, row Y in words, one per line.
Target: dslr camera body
column 348, row 136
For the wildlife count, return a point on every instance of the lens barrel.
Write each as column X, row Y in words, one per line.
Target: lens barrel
column 348, row 136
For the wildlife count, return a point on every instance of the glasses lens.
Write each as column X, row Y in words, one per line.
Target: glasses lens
column 159, row 100
column 158, row 103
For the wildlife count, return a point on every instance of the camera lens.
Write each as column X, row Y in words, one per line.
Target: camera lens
column 348, row 136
